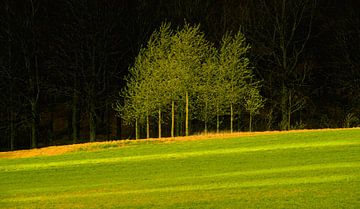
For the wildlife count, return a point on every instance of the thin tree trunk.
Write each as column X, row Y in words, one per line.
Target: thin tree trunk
column 269, row 119
column 231, row 118
column 34, row 89
column 92, row 126
column 75, row 117
column 35, row 84
column 187, row 114
column 250, row 123
column 159, row 125
column 289, row 113
column 172, row 118
column 12, row 114
column 179, row 123
column 12, row 130
column 33, row 137
column 239, row 121
column 108, row 122
column 34, row 125
column 136, row 129
column 147, row 127
column 217, row 123
column 205, row 118
column 50, row 133
column 205, row 128
column 284, row 112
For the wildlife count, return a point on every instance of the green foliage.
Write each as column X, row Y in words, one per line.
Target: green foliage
column 237, row 75
column 253, row 101
column 317, row 169
column 234, row 66
column 175, row 64
column 207, row 88
column 145, row 91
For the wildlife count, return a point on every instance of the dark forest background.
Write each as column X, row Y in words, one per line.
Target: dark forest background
column 63, row 62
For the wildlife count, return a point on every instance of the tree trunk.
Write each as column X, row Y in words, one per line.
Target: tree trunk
column 231, row 118
column 250, row 123
column 179, row 123
column 187, row 114
column 34, row 89
column 12, row 114
column 284, row 107
column 12, row 130
column 159, row 125
column 172, row 118
column 136, row 129
column 289, row 113
column 239, row 121
column 217, row 123
column 205, row 128
column 92, row 125
column 74, row 118
column 269, row 118
column 50, row 131
column 34, row 125
column 147, row 127
column 34, row 76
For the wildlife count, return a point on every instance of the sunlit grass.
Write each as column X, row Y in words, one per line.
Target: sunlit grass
column 301, row 169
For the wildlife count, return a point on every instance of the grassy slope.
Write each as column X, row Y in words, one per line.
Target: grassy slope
column 318, row 169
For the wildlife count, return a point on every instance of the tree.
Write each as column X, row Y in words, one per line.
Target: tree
column 167, row 70
column 253, row 103
column 288, row 27
column 234, row 66
column 346, row 57
column 149, row 86
column 136, row 96
column 163, row 77
column 86, row 58
column 8, row 75
column 184, row 65
column 207, row 88
column 189, row 51
column 21, row 27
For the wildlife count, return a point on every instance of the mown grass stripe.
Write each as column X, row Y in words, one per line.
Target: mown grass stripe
column 196, row 187
column 320, row 170
column 283, row 170
column 287, row 169
column 177, row 155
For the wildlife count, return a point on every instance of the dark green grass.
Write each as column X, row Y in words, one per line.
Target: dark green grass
column 294, row 170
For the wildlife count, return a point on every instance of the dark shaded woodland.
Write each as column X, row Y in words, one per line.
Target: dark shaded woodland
column 63, row 62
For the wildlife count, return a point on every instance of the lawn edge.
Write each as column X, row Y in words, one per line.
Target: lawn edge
column 92, row 146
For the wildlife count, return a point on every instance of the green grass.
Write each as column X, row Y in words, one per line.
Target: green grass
column 319, row 169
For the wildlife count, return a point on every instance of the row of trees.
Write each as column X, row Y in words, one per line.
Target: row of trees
column 68, row 55
column 63, row 62
column 181, row 68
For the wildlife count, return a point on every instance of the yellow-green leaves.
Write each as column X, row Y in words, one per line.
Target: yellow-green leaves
column 182, row 67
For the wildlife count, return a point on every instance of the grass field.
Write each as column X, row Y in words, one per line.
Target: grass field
column 307, row 169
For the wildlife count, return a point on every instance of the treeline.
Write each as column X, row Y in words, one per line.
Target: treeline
column 58, row 56
column 64, row 62
column 182, row 69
